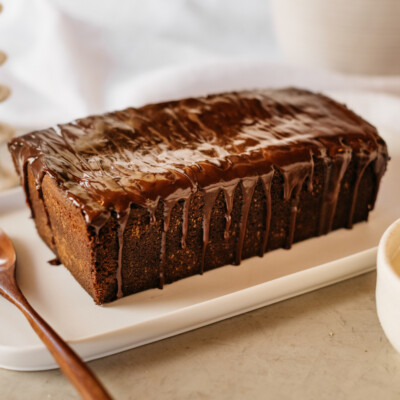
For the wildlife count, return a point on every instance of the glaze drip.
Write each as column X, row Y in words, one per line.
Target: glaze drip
column 209, row 197
column 185, row 221
column 363, row 161
column 293, row 216
column 169, row 151
column 267, row 185
column 54, row 261
column 229, row 193
column 379, row 169
column 98, row 224
column 122, row 222
column 334, row 176
column 293, row 183
column 168, row 207
column 248, row 186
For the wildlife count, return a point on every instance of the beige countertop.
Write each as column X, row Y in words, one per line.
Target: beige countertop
column 327, row 344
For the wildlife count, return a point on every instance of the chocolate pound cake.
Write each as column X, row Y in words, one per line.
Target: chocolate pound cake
column 137, row 198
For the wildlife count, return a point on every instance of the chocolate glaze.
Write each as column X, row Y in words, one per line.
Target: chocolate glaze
column 122, row 221
column 209, row 200
column 362, row 164
column 185, row 221
column 168, row 151
column 267, row 183
column 335, row 173
column 168, row 206
column 248, row 186
column 229, row 192
column 54, row 261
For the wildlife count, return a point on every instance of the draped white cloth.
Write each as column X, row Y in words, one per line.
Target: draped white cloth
column 68, row 59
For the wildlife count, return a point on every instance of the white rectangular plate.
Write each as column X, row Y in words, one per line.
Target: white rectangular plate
column 145, row 317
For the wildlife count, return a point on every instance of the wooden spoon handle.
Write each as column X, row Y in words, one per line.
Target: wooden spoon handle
column 70, row 363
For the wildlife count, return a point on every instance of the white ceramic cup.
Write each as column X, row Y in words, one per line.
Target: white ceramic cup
column 352, row 36
column 388, row 284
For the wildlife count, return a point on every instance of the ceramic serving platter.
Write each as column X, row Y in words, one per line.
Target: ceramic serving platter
column 97, row 331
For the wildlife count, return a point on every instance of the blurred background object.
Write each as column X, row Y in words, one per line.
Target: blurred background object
column 8, row 178
column 357, row 36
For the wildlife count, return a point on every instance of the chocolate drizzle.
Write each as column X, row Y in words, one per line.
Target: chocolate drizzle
column 168, row 206
column 169, row 151
column 248, row 186
column 122, row 221
column 209, row 200
column 379, row 169
column 267, row 183
column 229, row 192
column 185, row 221
column 335, row 173
column 294, row 178
column 363, row 161
column 54, row 261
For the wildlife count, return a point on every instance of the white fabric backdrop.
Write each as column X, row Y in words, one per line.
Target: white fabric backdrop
column 68, row 59
column 72, row 58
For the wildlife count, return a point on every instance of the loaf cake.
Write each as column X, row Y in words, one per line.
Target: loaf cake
column 134, row 199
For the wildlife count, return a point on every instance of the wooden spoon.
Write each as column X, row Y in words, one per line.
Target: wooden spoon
column 70, row 363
